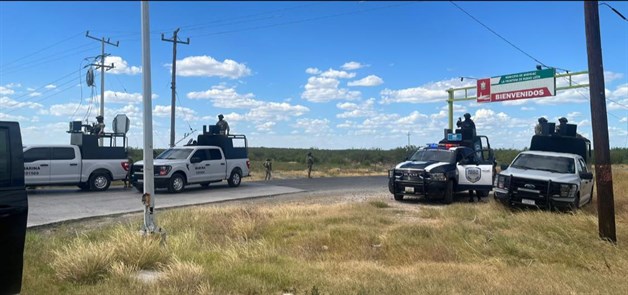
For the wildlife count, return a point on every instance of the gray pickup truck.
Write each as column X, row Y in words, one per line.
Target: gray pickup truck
column 552, row 174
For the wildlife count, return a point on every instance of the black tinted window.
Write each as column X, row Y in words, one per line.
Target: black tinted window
column 214, row 154
column 201, row 154
column 62, row 153
column 36, row 154
column 5, row 158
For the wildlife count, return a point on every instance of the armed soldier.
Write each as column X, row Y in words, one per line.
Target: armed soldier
column 310, row 162
column 563, row 124
column 467, row 123
column 98, row 128
column 268, row 165
column 222, row 125
column 538, row 129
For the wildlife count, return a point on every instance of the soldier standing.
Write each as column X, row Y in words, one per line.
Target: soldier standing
column 222, row 125
column 268, row 165
column 467, row 123
column 310, row 162
column 562, row 124
column 99, row 128
column 538, row 129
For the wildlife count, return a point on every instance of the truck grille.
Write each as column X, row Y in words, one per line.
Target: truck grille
column 529, row 184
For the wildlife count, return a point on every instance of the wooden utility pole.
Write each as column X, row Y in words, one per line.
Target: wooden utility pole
column 173, row 86
column 599, row 123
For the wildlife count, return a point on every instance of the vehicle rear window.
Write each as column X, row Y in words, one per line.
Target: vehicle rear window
column 215, row 154
column 36, row 154
column 62, row 153
column 5, row 158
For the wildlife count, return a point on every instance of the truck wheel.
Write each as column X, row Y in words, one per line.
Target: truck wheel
column 99, row 181
column 235, row 178
column 448, row 195
column 398, row 197
column 176, row 183
column 482, row 194
column 576, row 203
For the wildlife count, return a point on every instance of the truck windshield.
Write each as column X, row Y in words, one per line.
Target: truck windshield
column 433, row 155
column 175, row 154
column 545, row 163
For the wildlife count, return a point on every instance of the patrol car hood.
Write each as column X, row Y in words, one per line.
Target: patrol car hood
column 157, row 162
column 541, row 175
column 421, row 165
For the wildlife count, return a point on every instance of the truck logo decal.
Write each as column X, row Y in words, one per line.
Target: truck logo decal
column 473, row 174
column 530, row 186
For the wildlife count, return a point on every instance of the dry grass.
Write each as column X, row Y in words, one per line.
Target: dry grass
column 375, row 246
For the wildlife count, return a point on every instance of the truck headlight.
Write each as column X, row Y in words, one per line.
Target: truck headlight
column 503, row 181
column 162, row 170
column 568, row 190
column 391, row 173
column 438, row 177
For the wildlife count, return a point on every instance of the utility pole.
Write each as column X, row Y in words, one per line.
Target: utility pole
column 102, row 67
column 599, row 123
column 408, row 138
column 174, row 41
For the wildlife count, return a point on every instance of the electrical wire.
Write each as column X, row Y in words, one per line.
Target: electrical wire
column 47, row 59
column 41, row 50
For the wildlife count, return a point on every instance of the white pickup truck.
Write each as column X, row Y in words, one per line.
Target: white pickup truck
column 212, row 159
column 46, row 165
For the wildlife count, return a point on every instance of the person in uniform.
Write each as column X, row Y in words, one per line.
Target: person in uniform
column 222, row 125
column 563, row 123
column 99, row 128
column 268, row 165
column 310, row 162
column 467, row 123
column 538, row 129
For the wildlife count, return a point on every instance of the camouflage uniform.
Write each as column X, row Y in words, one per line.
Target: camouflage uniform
column 222, row 125
column 269, row 168
column 310, row 163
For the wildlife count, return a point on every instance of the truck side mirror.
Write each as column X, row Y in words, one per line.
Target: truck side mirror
column 503, row 166
column 586, row 175
column 195, row 160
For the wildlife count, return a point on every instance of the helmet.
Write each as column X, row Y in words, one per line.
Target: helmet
column 542, row 120
column 220, row 116
column 467, row 115
column 99, row 117
column 562, row 119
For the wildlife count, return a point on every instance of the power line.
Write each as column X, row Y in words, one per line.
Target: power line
column 615, row 10
column 47, row 59
column 42, row 49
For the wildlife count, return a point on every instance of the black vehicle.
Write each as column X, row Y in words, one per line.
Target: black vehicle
column 13, row 208
column 458, row 163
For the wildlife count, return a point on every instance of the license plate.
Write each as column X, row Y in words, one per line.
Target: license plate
column 409, row 189
column 528, row 202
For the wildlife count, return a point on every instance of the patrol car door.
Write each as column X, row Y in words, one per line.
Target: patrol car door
column 586, row 185
column 198, row 171
column 472, row 171
column 64, row 165
column 37, row 165
column 217, row 165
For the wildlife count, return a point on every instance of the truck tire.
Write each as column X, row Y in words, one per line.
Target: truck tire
column 482, row 193
column 448, row 194
column 235, row 179
column 398, row 197
column 99, row 181
column 576, row 203
column 176, row 183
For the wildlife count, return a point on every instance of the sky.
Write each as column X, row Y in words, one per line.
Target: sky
column 325, row 75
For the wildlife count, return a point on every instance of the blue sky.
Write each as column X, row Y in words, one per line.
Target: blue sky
column 326, row 75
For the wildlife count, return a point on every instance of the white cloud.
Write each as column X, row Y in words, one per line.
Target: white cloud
column 50, row 86
column 124, row 97
column 352, row 65
column 574, row 114
column 313, row 71
column 623, row 120
column 34, row 94
column 180, row 112
column 427, row 93
column 7, row 117
column 14, row 85
column 370, row 80
column 265, row 127
column 323, row 89
column 206, row 66
column 6, row 90
column 316, row 127
column 224, row 97
column 275, row 111
column 121, row 66
column 527, row 108
column 564, row 97
column 69, row 109
column 8, row 103
column 331, row 73
column 353, row 110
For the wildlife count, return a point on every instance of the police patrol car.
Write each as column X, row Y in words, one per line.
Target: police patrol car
column 441, row 170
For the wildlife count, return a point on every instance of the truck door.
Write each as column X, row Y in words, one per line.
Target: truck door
column 472, row 171
column 37, row 165
column 218, row 165
column 65, row 165
column 198, row 171
column 586, row 185
column 13, row 208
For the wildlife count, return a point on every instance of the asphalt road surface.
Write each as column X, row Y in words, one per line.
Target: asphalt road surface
column 53, row 205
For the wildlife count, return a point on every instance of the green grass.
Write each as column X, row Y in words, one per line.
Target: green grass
column 378, row 246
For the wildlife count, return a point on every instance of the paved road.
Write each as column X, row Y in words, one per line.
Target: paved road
column 52, row 205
